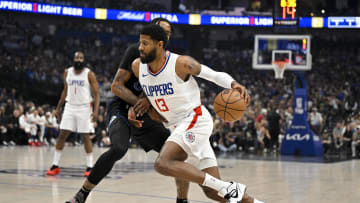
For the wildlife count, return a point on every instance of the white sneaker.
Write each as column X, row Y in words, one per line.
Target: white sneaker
column 234, row 192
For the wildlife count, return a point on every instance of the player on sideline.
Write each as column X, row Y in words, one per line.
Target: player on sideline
column 78, row 80
column 167, row 79
column 151, row 136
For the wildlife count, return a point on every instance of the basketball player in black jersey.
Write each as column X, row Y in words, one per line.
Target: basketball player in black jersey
column 151, row 136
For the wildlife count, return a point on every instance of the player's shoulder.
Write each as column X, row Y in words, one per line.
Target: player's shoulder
column 183, row 59
column 136, row 63
column 133, row 48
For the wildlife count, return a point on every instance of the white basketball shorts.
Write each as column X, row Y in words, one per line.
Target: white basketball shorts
column 76, row 118
column 192, row 135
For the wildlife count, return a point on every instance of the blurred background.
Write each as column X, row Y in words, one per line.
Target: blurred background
column 37, row 43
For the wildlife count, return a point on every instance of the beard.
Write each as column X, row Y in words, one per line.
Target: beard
column 149, row 58
column 79, row 65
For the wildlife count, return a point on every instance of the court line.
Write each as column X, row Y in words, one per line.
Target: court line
column 102, row 191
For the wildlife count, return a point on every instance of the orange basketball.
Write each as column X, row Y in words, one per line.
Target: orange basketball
column 229, row 105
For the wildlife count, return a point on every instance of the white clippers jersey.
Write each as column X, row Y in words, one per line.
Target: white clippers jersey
column 173, row 98
column 78, row 91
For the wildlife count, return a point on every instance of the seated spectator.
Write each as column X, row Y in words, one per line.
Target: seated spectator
column 338, row 133
column 51, row 128
column 348, row 136
column 355, row 144
column 263, row 136
column 316, row 121
column 100, row 131
column 326, row 141
column 28, row 127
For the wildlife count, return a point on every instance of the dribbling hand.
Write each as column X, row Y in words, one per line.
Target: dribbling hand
column 243, row 92
column 141, row 106
column 132, row 119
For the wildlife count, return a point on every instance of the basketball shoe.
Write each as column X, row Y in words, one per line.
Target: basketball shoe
column 80, row 196
column 234, row 192
column 54, row 170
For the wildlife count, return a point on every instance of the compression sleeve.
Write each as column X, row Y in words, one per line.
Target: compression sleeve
column 220, row 78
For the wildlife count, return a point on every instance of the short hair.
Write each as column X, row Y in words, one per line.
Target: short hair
column 155, row 32
column 80, row 52
column 157, row 21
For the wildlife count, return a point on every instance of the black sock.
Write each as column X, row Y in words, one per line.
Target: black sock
column 88, row 168
column 84, row 191
column 181, row 200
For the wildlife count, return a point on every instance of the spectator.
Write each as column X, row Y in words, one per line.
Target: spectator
column 326, row 141
column 348, row 136
column 14, row 134
column 351, row 106
column 355, row 144
column 50, row 128
column 263, row 136
column 338, row 133
column 273, row 119
column 316, row 121
column 100, row 131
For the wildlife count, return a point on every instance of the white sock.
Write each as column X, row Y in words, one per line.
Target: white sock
column 89, row 160
column 257, row 201
column 57, row 156
column 215, row 183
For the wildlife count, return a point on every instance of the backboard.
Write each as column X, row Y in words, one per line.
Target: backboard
column 291, row 50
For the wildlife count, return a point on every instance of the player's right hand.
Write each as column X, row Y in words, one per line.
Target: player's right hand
column 142, row 106
column 132, row 118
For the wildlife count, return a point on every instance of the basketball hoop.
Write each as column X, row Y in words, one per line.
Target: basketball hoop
column 279, row 69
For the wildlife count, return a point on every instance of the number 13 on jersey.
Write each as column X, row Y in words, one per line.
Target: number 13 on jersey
column 161, row 105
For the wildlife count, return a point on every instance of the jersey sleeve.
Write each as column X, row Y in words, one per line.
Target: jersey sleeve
column 129, row 56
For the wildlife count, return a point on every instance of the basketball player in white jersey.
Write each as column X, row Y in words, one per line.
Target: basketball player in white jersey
column 167, row 80
column 79, row 81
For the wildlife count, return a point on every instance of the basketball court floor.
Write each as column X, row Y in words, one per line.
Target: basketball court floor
column 133, row 179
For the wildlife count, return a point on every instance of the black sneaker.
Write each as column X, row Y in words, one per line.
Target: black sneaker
column 78, row 198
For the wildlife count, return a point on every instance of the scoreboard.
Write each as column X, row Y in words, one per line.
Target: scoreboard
column 285, row 13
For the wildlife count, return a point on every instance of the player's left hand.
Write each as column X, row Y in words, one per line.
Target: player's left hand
column 243, row 92
column 94, row 117
column 132, row 118
column 141, row 106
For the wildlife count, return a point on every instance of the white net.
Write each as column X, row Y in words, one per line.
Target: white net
column 279, row 69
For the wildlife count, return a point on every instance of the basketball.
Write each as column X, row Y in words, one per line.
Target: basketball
column 229, row 105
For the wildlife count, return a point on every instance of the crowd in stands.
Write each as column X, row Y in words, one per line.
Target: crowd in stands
column 34, row 56
column 139, row 5
column 225, row 7
column 24, row 123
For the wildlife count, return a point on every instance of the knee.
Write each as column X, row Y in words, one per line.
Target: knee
column 162, row 166
column 117, row 152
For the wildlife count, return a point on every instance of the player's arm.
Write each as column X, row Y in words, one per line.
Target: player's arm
column 131, row 113
column 119, row 89
column 62, row 98
column 123, row 75
column 186, row 65
column 95, row 89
